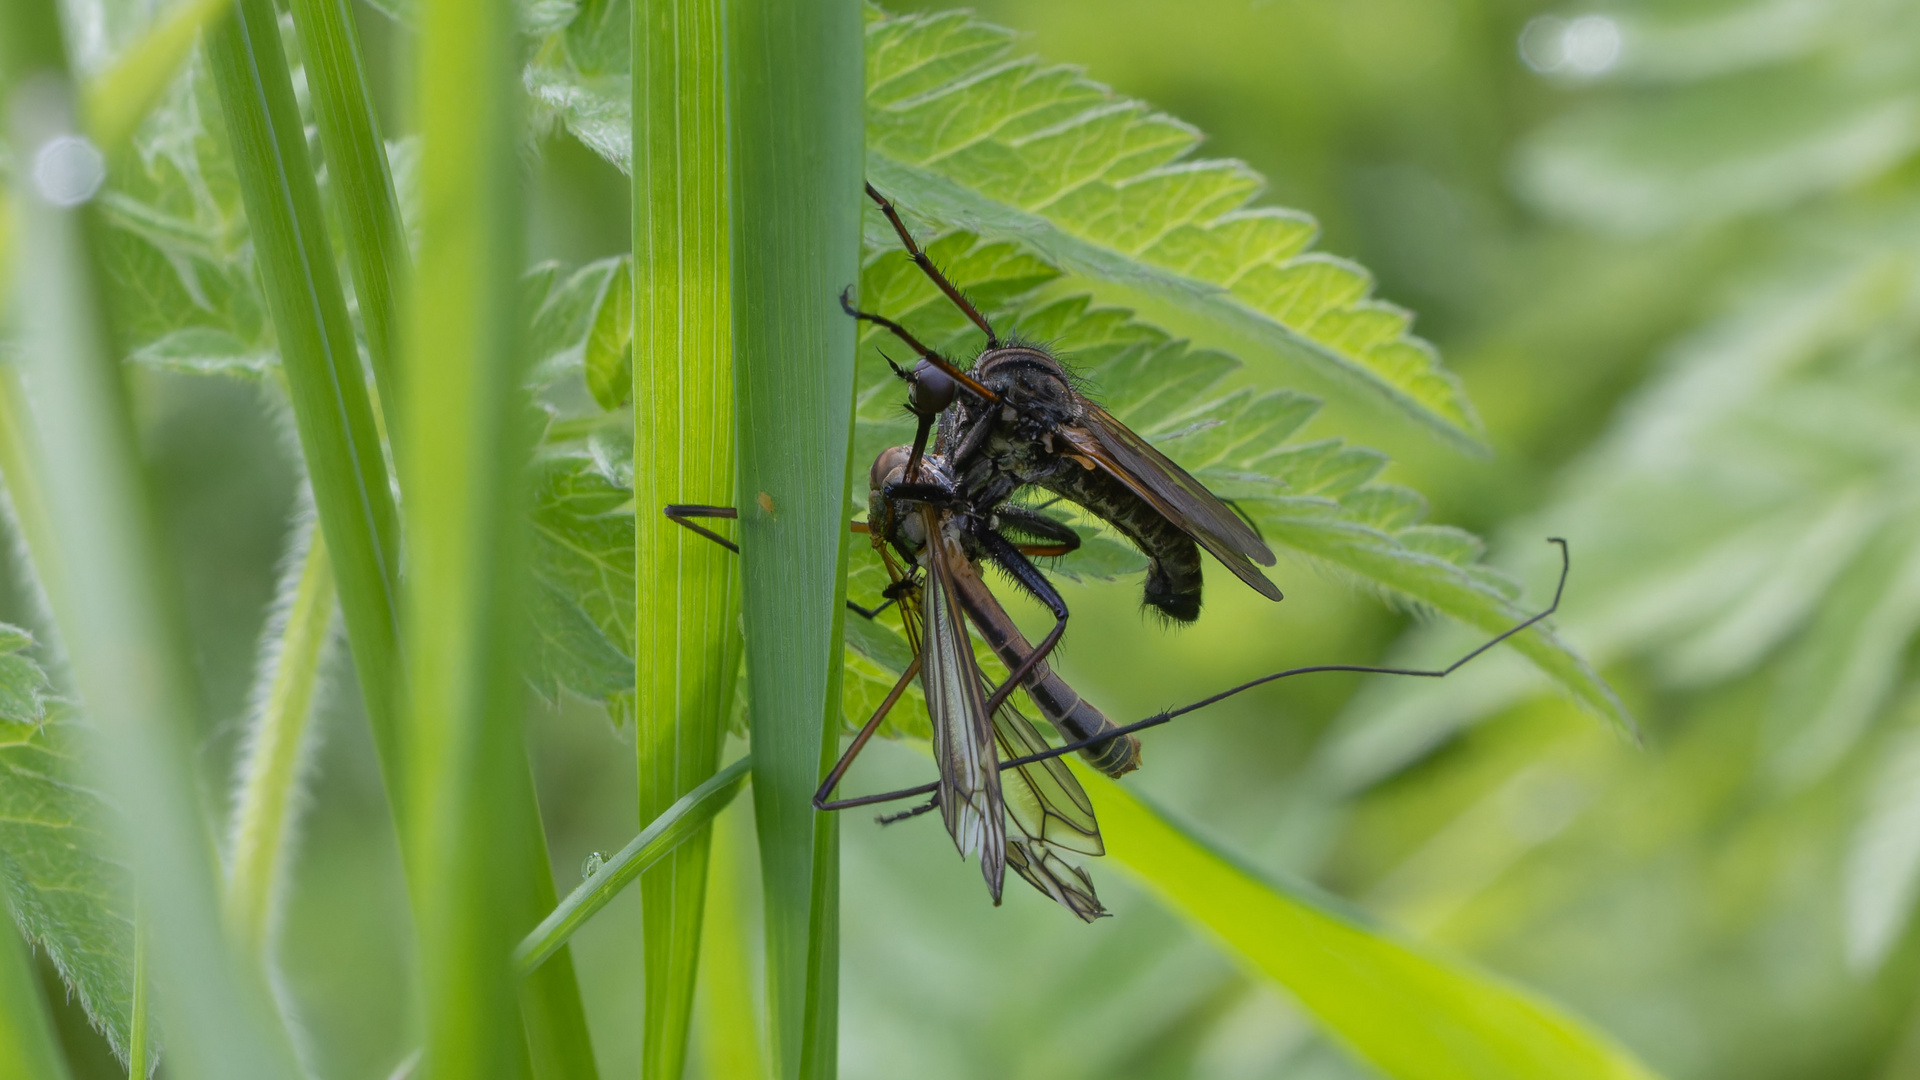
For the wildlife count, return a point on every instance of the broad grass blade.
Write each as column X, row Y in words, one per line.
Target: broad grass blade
column 687, row 651
column 795, row 109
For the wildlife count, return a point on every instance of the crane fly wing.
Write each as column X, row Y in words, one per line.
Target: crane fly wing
column 1173, row 492
column 1046, row 803
column 963, row 742
column 1066, row 883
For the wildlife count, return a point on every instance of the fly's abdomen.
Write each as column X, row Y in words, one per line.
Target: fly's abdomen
column 1173, row 559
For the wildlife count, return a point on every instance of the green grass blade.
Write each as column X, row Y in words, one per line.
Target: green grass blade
column 688, row 640
column 730, row 1038
column 795, row 74
column 113, row 598
column 120, row 97
column 1410, row 1011
column 466, row 437
column 685, row 819
column 360, row 179
column 28, row 1045
column 263, row 813
column 331, row 407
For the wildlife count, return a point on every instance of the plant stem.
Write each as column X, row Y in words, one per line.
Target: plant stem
column 796, row 131
column 688, row 641
column 270, row 769
column 731, row 1040
column 466, row 441
column 687, row 819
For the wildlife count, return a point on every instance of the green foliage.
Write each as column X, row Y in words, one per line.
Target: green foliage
column 68, row 895
column 962, row 132
column 1408, row 1010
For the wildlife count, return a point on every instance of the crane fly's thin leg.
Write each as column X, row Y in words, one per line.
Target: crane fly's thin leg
column 680, row 513
column 1566, row 564
column 901, row 332
column 889, row 819
column 859, row 743
column 933, row 272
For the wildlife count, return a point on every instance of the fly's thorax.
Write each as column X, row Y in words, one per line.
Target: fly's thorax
column 1016, row 432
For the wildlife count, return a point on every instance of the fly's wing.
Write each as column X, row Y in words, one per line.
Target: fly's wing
column 962, row 735
column 1046, row 803
column 1173, row 492
column 1066, row 883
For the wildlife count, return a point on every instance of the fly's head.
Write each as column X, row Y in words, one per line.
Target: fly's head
column 890, row 517
column 929, row 390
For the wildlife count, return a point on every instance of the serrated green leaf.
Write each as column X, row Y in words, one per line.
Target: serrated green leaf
column 609, row 346
column 581, row 606
column 964, row 133
column 1712, row 527
column 68, row 893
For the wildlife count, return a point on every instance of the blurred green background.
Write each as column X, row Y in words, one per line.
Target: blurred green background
column 1673, row 249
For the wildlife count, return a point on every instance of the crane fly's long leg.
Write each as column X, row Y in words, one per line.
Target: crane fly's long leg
column 1566, row 565
column 679, row 513
column 901, row 332
column 933, row 272
column 859, row 743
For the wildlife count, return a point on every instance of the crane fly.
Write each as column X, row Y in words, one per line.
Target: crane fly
column 1015, row 418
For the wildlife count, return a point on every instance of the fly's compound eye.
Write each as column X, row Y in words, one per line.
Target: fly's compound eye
column 930, row 390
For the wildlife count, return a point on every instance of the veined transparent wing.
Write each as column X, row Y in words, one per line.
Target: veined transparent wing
column 963, row 739
column 1045, row 802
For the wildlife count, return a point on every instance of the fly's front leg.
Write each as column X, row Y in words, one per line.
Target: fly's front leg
column 1029, row 578
column 1057, row 538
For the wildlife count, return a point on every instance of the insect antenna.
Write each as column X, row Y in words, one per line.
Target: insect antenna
column 901, row 332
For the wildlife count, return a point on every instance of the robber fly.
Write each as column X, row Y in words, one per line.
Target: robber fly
column 1015, row 419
